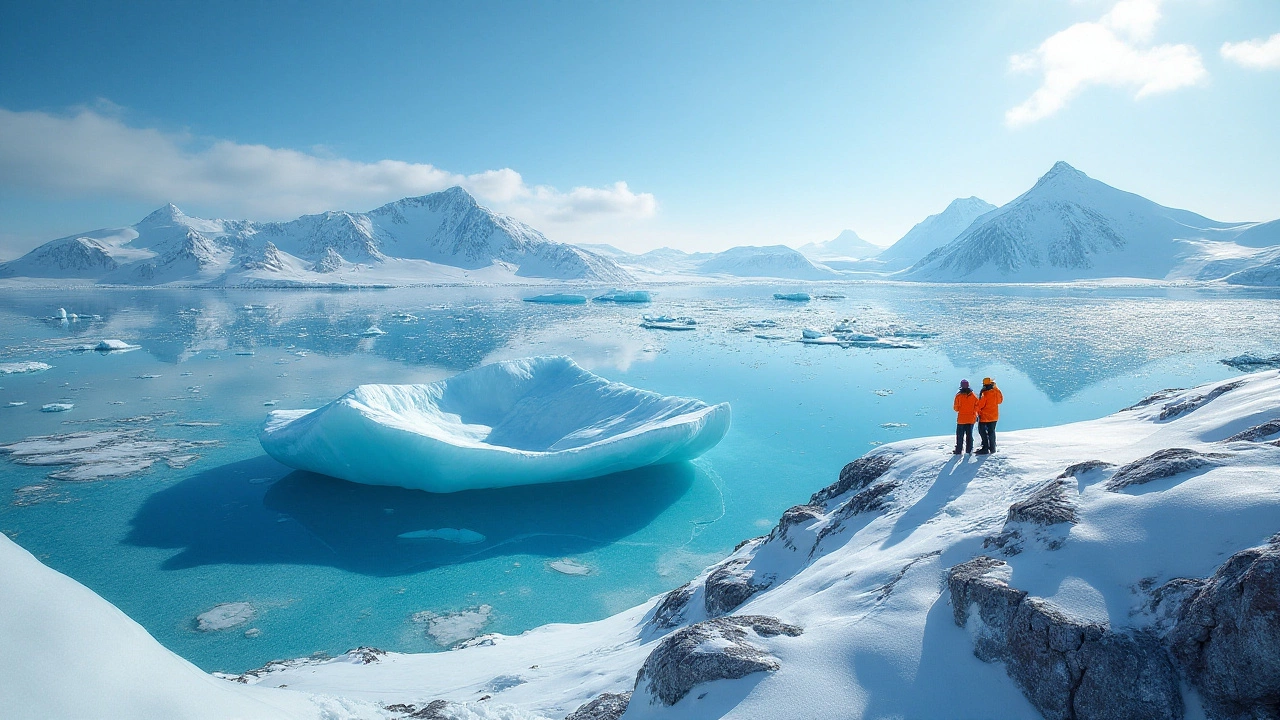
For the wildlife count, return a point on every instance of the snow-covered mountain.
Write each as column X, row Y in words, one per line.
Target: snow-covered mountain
column 777, row 261
column 933, row 232
column 845, row 246
column 445, row 236
column 1069, row 227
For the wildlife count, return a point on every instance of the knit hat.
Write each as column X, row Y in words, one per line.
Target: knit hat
column 988, row 381
column 964, row 383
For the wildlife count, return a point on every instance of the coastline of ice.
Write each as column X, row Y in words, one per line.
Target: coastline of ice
column 516, row 422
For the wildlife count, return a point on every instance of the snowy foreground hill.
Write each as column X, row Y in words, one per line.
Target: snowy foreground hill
column 443, row 237
column 1126, row 567
column 1072, row 227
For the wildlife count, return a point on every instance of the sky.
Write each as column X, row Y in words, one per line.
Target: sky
column 641, row 124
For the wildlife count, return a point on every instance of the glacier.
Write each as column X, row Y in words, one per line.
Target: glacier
column 516, row 422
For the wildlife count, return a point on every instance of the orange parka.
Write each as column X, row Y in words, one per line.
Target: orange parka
column 966, row 407
column 989, row 404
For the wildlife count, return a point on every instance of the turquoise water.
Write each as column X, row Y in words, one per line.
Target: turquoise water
column 321, row 560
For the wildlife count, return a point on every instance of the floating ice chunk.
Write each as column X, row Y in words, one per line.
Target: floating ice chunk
column 246, row 353
column 558, row 299
column 146, row 377
column 625, row 296
column 252, row 632
column 792, row 297
column 829, row 296
column 824, row 340
column 269, row 403
column 225, row 616
column 450, row 628
column 461, row 536
column 518, row 422
column 569, row 567
column 114, row 346
column 667, row 322
column 404, row 316
column 884, row 393
column 893, row 425
column 373, row 331
column 812, row 333
column 85, row 456
column 57, row 407
column 23, row 367
column 62, row 313
column 16, row 403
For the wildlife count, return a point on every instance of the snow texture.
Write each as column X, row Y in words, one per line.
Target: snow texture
column 517, row 422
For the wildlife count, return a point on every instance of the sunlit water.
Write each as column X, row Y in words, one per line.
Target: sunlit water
column 321, row 560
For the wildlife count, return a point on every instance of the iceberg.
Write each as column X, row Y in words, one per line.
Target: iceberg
column 517, row 422
column 792, row 297
column 114, row 346
column 16, row 368
column 558, row 299
column 625, row 296
column 667, row 322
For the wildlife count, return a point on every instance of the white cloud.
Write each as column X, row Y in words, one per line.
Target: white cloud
column 1112, row 51
column 93, row 153
column 1256, row 54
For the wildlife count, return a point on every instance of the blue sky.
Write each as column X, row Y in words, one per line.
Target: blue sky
column 695, row 125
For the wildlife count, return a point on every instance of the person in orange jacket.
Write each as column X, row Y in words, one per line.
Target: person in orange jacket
column 988, row 413
column 966, row 407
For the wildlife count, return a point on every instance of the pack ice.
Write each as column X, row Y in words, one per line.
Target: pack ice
column 517, row 422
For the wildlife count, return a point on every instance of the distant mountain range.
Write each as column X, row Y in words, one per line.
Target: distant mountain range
column 1067, row 227
column 442, row 237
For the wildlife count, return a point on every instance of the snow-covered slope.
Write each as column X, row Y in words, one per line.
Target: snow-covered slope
column 847, row 245
column 1103, row 529
column 515, row 422
column 778, row 261
column 933, row 232
column 1069, row 227
column 445, row 236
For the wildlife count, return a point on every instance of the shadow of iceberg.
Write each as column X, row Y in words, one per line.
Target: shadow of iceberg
column 232, row 514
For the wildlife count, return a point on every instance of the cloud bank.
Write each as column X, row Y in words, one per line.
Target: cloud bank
column 93, row 153
column 1114, row 51
column 1256, row 54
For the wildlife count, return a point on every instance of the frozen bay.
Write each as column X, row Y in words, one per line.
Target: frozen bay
column 327, row 565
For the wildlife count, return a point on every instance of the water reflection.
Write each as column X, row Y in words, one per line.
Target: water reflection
column 238, row 514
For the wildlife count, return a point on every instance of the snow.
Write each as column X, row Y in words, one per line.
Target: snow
column 23, row 367
column 776, row 261
column 517, row 422
column 225, row 616
column 558, row 299
column 933, row 232
column 846, row 245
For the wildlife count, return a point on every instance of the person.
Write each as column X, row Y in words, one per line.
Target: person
column 988, row 413
column 966, row 407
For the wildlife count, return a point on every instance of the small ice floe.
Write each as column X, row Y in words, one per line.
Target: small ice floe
column 667, row 322
column 225, row 616
column 461, row 536
column 17, row 368
column 1253, row 363
column 29, row 495
column 448, row 629
column 98, row 455
column 404, row 316
column 373, row 331
column 57, row 407
column 16, row 403
column 770, row 336
column 884, row 393
column 624, row 296
column 245, row 353
column 252, row 632
column 111, row 345
column 197, row 423
column 829, row 296
column 146, row 377
column 893, row 425
column 252, row 307
column 814, row 336
column 754, row 325
column 558, row 299
column 565, row 566
column 269, row 403
column 62, row 314
column 792, row 297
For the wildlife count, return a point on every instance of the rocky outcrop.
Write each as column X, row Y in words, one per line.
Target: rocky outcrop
column 1048, row 504
column 1159, row 464
column 1257, row 432
column 793, row 517
column 855, row 476
column 1068, row 668
column 1153, row 398
column 1081, row 469
column 670, row 612
column 718, row 649
column 1181, row 407
column 732, row 584
column 1227, row 636
column 871, row 499
column 606, row 706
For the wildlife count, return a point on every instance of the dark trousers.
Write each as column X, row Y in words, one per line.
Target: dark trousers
column 964, row 434
column 987, row 431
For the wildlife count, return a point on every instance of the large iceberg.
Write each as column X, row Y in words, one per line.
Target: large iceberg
column 518, row 422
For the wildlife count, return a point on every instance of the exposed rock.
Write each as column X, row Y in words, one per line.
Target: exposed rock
column 1048, row 504
column 1257, row 432
column 434, row 710
column 606, row 706
column 1068, row 668
column 1153, row 398
column 1084, row 468
column 1227, row 636
column 870, row 499
column 1159, row 464
column 1195, row 402
column 730, row 585
column 717, row 649
column 743, row 543
column 856, row 476
column 366, row 655
column 797, row 515
column 670, row 612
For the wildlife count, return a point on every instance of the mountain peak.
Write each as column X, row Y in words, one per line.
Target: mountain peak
column 167, row 214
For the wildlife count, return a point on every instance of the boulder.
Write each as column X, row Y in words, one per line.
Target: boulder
column 855, row 476
column 1048, row 504
column 670, row 612
column 871, row 499
column 606, row 706
column 794, row 516
column 1159, row 464
column 1257, row 432
column 1227, row 636
column 1181, row 407
column 717, row 649
column 732, row 584
column 1081, row 469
